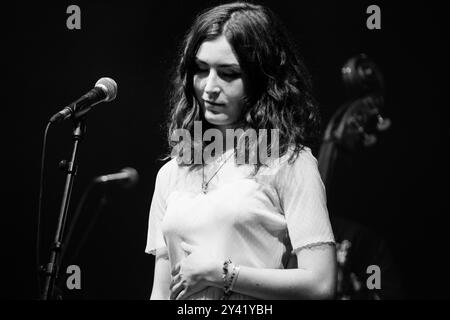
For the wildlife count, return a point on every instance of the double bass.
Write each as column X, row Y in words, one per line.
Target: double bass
column 353, row 126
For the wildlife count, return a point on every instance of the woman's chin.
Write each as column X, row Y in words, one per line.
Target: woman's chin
column 217, row 119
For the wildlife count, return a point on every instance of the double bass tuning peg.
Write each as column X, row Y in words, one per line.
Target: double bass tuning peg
column 383, row 123
column 362, row 76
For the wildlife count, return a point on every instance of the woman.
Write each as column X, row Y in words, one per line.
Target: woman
column 224, row 230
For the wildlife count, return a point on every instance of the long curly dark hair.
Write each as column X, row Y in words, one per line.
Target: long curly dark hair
column 277, row 85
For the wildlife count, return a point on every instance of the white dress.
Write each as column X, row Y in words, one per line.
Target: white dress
column 255, row 220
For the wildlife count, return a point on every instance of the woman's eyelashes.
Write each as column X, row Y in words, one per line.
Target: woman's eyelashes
column 230, row 74
column 226, row 74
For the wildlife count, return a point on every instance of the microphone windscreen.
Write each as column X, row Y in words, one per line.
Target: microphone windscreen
column 109, row 86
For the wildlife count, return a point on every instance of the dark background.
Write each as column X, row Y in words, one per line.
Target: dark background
column 399, row 188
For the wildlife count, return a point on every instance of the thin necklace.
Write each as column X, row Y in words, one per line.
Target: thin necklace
column 205, row 184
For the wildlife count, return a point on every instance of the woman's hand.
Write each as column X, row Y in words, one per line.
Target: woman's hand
column 194, row 273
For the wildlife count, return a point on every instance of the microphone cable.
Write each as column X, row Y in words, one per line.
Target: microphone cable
column 75, row 217
column 38, row 227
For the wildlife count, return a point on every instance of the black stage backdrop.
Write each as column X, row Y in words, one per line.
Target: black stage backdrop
column 398, row 188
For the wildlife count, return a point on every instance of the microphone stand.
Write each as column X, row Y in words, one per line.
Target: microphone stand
column 51, row 270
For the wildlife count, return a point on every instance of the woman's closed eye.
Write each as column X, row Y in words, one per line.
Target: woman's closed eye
column 231, row 75
column 201, row 70
column 226, row 74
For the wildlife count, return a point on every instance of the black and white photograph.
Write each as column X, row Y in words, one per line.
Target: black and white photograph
column 227, row 151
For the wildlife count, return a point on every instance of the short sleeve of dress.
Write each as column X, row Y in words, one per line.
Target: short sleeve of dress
column 303, row 201
column 155, row 239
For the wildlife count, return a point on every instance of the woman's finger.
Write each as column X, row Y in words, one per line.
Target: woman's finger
column 174, row 281
column 177, row 287
column 181, row 295
column 176, row 269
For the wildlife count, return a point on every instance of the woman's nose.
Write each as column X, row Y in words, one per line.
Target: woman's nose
column 212, row 88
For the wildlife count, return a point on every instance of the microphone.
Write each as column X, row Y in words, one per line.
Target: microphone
column 127, row 177
column 105, row 90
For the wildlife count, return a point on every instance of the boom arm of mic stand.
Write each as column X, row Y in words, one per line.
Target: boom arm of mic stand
column 51, row 269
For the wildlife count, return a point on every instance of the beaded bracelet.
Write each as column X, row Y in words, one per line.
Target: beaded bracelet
column 229, row 278
column 234, row 275
column 227, row 292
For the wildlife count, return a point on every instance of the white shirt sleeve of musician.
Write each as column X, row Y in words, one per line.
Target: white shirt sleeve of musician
column 303, row 201
column 155, row 238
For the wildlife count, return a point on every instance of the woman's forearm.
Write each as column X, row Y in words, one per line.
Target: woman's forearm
column 282, row 284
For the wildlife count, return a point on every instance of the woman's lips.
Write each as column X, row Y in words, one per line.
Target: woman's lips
column 213, row 104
